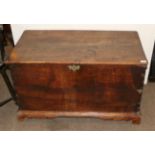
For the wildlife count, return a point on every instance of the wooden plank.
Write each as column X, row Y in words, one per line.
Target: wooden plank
column 103, row 115
column 95, row 87
column 59, row 75
column 91, row 47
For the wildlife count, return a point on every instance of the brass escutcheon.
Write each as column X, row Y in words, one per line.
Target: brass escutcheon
column 74, row 68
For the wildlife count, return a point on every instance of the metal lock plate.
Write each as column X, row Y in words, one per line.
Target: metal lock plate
column 74, row 68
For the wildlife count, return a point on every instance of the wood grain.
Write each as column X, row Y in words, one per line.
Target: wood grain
column 79, row 73
column 91, row 47
column 105, row 116
column 92, row 88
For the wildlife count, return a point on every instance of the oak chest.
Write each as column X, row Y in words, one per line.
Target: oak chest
column 78, row 74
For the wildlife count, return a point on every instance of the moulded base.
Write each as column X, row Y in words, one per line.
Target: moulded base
column 134, row 117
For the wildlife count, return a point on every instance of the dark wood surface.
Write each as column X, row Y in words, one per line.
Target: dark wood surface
column 79, row 73
column 90, row 47
column 93, row 87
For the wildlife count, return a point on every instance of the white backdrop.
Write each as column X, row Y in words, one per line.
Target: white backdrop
column 146, row 33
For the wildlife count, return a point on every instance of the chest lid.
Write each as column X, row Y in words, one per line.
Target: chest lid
column 78, row 47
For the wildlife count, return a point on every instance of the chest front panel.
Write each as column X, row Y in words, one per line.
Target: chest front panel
column 73, row 87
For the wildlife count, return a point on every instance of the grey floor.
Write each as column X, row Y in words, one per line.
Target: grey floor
column 9, row 121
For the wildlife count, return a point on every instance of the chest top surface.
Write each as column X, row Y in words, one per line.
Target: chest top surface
column 89, row 47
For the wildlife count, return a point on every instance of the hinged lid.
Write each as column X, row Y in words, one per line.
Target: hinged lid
column 77, row 47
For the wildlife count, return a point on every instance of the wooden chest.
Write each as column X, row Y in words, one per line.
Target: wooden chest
column 78, row 74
